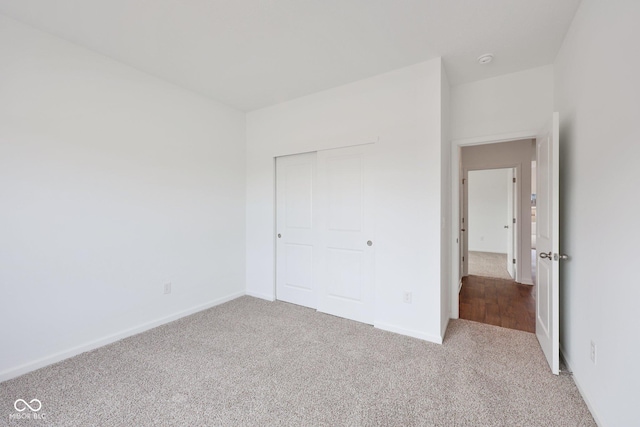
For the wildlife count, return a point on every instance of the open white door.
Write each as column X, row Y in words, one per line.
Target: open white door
column 511, row 198
column 548, row 233
column 296, row 229
column 345, row 223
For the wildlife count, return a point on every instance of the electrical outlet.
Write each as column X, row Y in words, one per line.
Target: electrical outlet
column 167, row 288
column 593, row 352
column 407, row 297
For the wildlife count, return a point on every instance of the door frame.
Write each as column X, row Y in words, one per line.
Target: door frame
column 456, row 177
column 464, row 210
column 512, row 209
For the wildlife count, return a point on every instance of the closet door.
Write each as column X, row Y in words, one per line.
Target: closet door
column 345, row 233
column 296, row 229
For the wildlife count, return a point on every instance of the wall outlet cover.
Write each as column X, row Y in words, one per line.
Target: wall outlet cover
column 407, row 297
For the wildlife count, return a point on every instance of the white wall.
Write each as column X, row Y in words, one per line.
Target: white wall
column 598, row 96
column 112, row 183
column 488, row 210
column 513, row 103
column 401, row 112
column 509, row 154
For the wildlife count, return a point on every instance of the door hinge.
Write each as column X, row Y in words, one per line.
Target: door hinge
column 514, row 260
column 463, row 220
column 514, row 180
column 463, row 181
column 514, row 220
column 462, row 259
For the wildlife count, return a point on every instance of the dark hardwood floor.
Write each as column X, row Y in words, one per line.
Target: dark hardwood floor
column 498, row 302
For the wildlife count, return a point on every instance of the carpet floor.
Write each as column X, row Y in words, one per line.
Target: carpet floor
column 488, row 264
column 251, row 362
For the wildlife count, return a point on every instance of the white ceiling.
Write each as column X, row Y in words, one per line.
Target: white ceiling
column 252, row 53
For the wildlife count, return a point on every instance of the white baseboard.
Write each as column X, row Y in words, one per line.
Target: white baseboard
column 408, row 332
column 100, row 342
column 581, row 389
column 260, row 295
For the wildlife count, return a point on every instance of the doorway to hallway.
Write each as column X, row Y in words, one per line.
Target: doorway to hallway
column 497, row 283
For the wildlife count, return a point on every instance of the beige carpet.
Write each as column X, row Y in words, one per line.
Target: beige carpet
column 257, row 363
column 488, row 264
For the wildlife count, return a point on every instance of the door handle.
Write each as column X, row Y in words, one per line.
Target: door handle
column 506, row 226
column 562, row 257
column 369, row 243
column 546, row 255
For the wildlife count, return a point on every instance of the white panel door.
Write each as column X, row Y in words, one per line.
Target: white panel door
column 511, row 201
column 345, row 223
column 548, row 232
column 296, row 229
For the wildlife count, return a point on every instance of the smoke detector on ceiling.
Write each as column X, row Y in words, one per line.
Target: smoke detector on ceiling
column 485, row 59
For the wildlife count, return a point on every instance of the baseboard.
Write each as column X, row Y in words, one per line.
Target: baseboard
column 100, row 342
column 408, row 332
column 260, row 295
column 581, row 389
